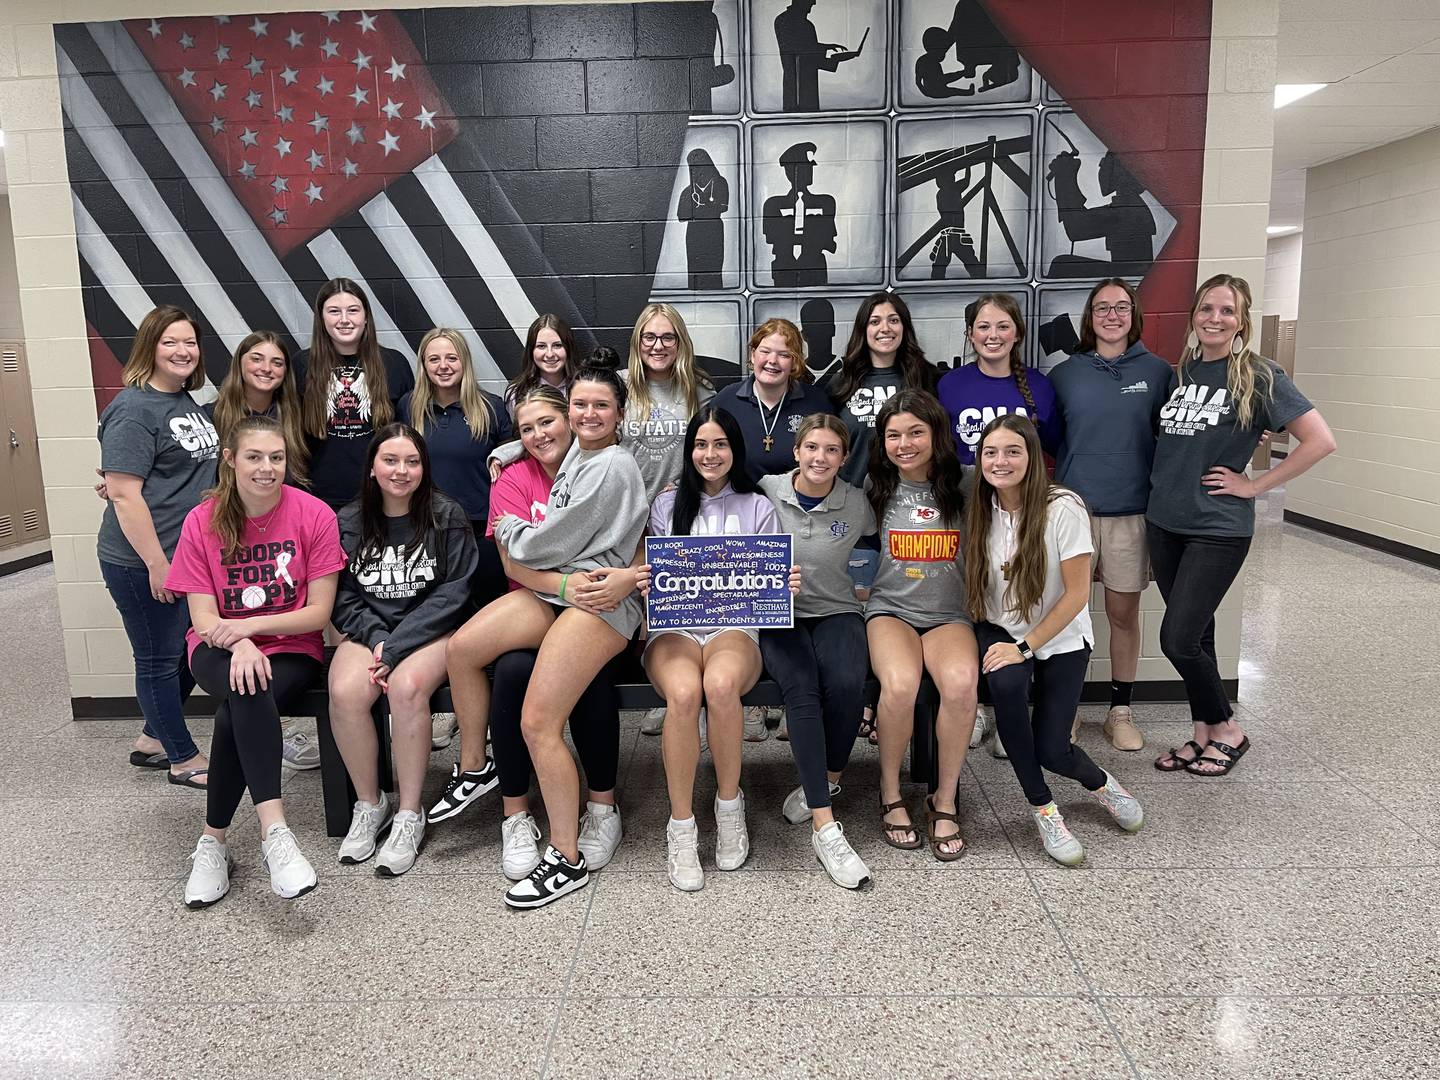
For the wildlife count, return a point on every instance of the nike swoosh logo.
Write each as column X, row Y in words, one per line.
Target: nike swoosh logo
column 558, row 880
column 463, row 789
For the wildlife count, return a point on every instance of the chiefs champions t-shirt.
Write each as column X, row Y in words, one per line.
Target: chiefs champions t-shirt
column 920, row 579
column 271, row 572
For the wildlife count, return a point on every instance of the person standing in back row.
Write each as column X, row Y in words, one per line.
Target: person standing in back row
column 1110, row 394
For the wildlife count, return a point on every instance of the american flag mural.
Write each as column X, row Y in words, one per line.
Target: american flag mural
column 473, row 167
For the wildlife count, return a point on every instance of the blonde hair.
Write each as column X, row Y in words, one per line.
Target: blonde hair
column 799, row 372
column 1250, row 379
column 478, row 415
column 688, row 378
column 140, row 367
column 231, row 406
column 824, row 422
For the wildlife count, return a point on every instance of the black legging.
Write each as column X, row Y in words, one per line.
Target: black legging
column 594, row 726
column 488, row 583
column 1041, row 740
column 820, row 666
column 245, row 749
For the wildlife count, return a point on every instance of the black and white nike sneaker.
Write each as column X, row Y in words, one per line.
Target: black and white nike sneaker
column 552, row 879
column 463, row 789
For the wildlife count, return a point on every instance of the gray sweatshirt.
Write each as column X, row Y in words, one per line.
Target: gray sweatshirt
column 823, row 539
column 657, row 441
column 594, row 517
column 921, row 577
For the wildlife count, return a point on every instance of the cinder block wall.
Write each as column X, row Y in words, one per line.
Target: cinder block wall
column 1236, row 191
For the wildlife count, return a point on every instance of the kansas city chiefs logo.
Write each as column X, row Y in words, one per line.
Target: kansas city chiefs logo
column 923, row 515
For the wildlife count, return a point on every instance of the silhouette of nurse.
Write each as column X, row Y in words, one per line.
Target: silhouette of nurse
column 702, row 206
column 803, row 56
column 799, row 225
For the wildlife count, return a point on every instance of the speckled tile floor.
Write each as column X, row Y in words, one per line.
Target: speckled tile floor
column 1277, row 923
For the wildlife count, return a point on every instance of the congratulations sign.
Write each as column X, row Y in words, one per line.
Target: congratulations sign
column 719, row 582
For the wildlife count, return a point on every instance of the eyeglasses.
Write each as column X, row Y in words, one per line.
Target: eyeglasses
column 1122, row 308
column 648, row 339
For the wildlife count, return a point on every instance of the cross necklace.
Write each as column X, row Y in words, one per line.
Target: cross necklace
column 769, row 441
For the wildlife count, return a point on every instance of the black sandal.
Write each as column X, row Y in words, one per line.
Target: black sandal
column 885, row 808
column 1220, row 765
column 867, row 724
column 141, row 760
column 1176, row 761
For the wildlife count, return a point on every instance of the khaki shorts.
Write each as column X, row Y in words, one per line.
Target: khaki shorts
column 1122, row 556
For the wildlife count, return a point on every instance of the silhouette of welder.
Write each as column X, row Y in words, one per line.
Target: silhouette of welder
column 799, row 225
column 803, row 56
column 1125, row 222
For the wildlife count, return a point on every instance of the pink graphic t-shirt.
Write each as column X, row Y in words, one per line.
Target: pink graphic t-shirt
column 523, row 490
column 271, row 572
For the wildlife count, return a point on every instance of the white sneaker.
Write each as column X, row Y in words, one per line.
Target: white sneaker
column 653, row 722
column 682, row 856
column 997, row 748
column 299, row 752
column 367, row 822
column 796, row 809
column 210, row 874
column 977, row 737
column 704, row 731
column 845, row 868
column 755, row 729
column 732, row 839
column 402, row 846
column 291, row 874
column 1123, row 806
column 443, row 727
column 600, row 833
column 519, row 845
column 1060, row 843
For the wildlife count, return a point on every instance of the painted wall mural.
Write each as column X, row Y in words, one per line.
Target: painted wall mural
column 740, row 159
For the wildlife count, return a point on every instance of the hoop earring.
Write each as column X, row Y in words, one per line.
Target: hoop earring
column 1237, row 346
column 1192, row 344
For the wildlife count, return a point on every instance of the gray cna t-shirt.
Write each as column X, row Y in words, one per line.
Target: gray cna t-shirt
column 1198, row 431
column 167, row 441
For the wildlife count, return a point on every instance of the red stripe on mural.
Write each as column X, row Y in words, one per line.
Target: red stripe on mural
column 105, row 369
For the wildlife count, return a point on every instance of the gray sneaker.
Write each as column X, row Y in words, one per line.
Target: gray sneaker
column 977, row 736
column 299, row 752
column 367, row 822
column 1060, row 843
column 600, row 833
column 402, row 846
column 732, row 838
column 682, row 856
column 291, row 874
column 210, row 874
column 796, row 809
column 755, row 729
column 653, row 722
column 443, row 727
column 845, row 868
column 1123, row 806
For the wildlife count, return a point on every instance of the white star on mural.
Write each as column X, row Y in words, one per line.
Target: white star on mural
column 426, row 118
column 217, row 125
column 389, row 142
column 285, row 114
column 289, row 75
column 366, row 23
column 280, row 184
column 349, row 168
column 255, row 66
column 187, row 78
column 249, row 138
column 391, row 108
column 186, row 41
column 361, row 95
column 222, row 54
column 218, row 90
column 252, row 99
column 313, row 193
column 396, row 70
column 295, row 38
column 325, row 85
column 259, row 27
column 361, row 62
column 247, row 170
column 282, row 147
column 314, row 160
column 154, row 28
column 319, row 123
column 278, row 216
column 331, row 49
column 356, row 134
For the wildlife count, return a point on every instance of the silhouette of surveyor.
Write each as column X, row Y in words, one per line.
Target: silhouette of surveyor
column 799, row 225
column 1125, row 222
column 817, row 327
column 803, row 56
column 702, row 206
column 953, row 241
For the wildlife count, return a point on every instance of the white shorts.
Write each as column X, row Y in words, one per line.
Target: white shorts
column 701, row 638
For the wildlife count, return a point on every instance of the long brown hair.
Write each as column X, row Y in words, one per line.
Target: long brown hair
column 1006, row 303
column 1027, row 566
column 140, row 367
column 1250, row 379
column 946, row 475
column 687, row 375
column 480, row 417
column 373, row 528
column 916, row 372
column 227, row 519
column 324, row 359
column 529, row 374
column 1088, row 343
column 231, row 406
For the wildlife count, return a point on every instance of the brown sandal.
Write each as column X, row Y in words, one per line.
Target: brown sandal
column 888, row 828
column 931, row 817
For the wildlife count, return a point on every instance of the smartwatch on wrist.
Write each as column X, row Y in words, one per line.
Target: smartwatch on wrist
column 1025, row 650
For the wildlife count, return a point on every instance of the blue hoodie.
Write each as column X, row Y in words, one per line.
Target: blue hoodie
column 1112, row 414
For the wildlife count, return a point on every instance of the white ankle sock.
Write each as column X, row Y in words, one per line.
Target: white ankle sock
column 727, row 804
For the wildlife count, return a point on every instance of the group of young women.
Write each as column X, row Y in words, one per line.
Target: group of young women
column 514, row 570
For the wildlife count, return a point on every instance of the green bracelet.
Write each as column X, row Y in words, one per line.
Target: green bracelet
column 564, row 580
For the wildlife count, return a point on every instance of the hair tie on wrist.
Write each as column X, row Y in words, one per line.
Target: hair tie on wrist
column 564, row 580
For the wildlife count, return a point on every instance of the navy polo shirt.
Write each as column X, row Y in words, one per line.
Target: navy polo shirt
column 457, row 458
column 738, row 399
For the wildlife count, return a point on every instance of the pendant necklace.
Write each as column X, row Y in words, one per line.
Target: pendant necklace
column 1005, row 566
column 769, row 441
column 268, row 517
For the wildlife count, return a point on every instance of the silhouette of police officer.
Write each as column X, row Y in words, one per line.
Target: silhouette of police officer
column 799, row 225
column 803, row 56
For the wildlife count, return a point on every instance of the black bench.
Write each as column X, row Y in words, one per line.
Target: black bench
column 340, row 795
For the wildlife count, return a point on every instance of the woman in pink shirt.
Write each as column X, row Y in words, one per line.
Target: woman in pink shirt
column 258, row 563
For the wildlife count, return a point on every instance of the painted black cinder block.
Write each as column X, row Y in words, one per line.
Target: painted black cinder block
column 463, row 87
column 582, row 31
column 493, row 143
column 477, row 35
column 676, row 30
column 586, row 142
column 612, row 191
column 661, row 138
column 623, row 86
column 609, row 248
column 554, row 88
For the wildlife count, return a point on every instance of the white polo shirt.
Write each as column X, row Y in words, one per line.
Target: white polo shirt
column 1067, row 534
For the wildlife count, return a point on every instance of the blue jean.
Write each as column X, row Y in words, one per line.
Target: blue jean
column 157, row 639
